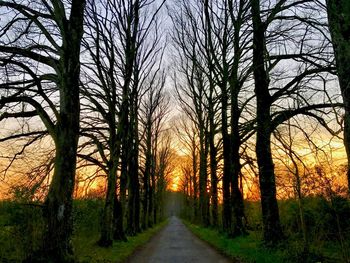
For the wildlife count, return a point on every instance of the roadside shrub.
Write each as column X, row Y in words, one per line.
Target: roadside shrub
column 22, row 226
column 87, row 215
column 253, row 217
column 324, row 218
column 295, row 252
column 21, row 230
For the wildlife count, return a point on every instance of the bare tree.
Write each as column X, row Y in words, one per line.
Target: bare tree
column 187, row 135
column 153, row 112
column 41, row 45
column 214, row 39
column 297, row 168
column 122, row 58
column 192, row 92
column 339, row 23
column 165, row 167
column 272, row 84
column 104, row 96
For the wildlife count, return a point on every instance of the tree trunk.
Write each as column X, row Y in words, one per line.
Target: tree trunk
column 107, row 225
column 152, row 203
column 227, row 150
column 213, row 168
column 154, row 200
column 151, row 206
column 118, row 220
column 235, row 166
column 58, row 205
column 339, row 26
column 207, row 191
column 235, row 140
column 203, row 177
column 133, row 189
column 108, row 217
column 226, row 180
column 123, row 183
column 272, row 230
column 195, row 182
column 146, row 202
column 152, row 191
column 124, row 128
column 238, row 227
column 134, row 185
column 299, row 197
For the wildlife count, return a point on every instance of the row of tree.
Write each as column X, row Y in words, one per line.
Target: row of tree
column 245, row 68
column 242, row 69
column 88, row 75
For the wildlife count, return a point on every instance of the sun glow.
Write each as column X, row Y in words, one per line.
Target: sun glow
column 175, row 179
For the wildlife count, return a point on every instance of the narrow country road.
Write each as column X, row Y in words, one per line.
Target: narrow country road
column 176, row 244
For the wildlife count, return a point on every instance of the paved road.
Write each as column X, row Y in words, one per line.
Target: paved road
column 176, row 244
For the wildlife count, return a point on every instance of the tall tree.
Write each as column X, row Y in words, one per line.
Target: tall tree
column 339, row 26
column 121, row 55
column 308, row 62
column 271, row 221
column 192, row 93
column 103, row 92
column 219, row 35
column 48, row 36
column 153, row 113
column 146, row 59
column 188, row 138
column 164, row 170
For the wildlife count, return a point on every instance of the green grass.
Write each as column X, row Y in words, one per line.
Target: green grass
column 86, row 249
column 244, row 249
column 249, row 249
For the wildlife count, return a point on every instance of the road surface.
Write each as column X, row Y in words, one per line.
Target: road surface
column 176, row 244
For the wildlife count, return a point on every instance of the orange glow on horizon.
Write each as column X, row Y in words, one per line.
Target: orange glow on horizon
column 331, row 156
column 175, row 179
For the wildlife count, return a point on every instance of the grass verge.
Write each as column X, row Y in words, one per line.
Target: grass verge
column 243, row 249
column 249, row 249
column 86, row 249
